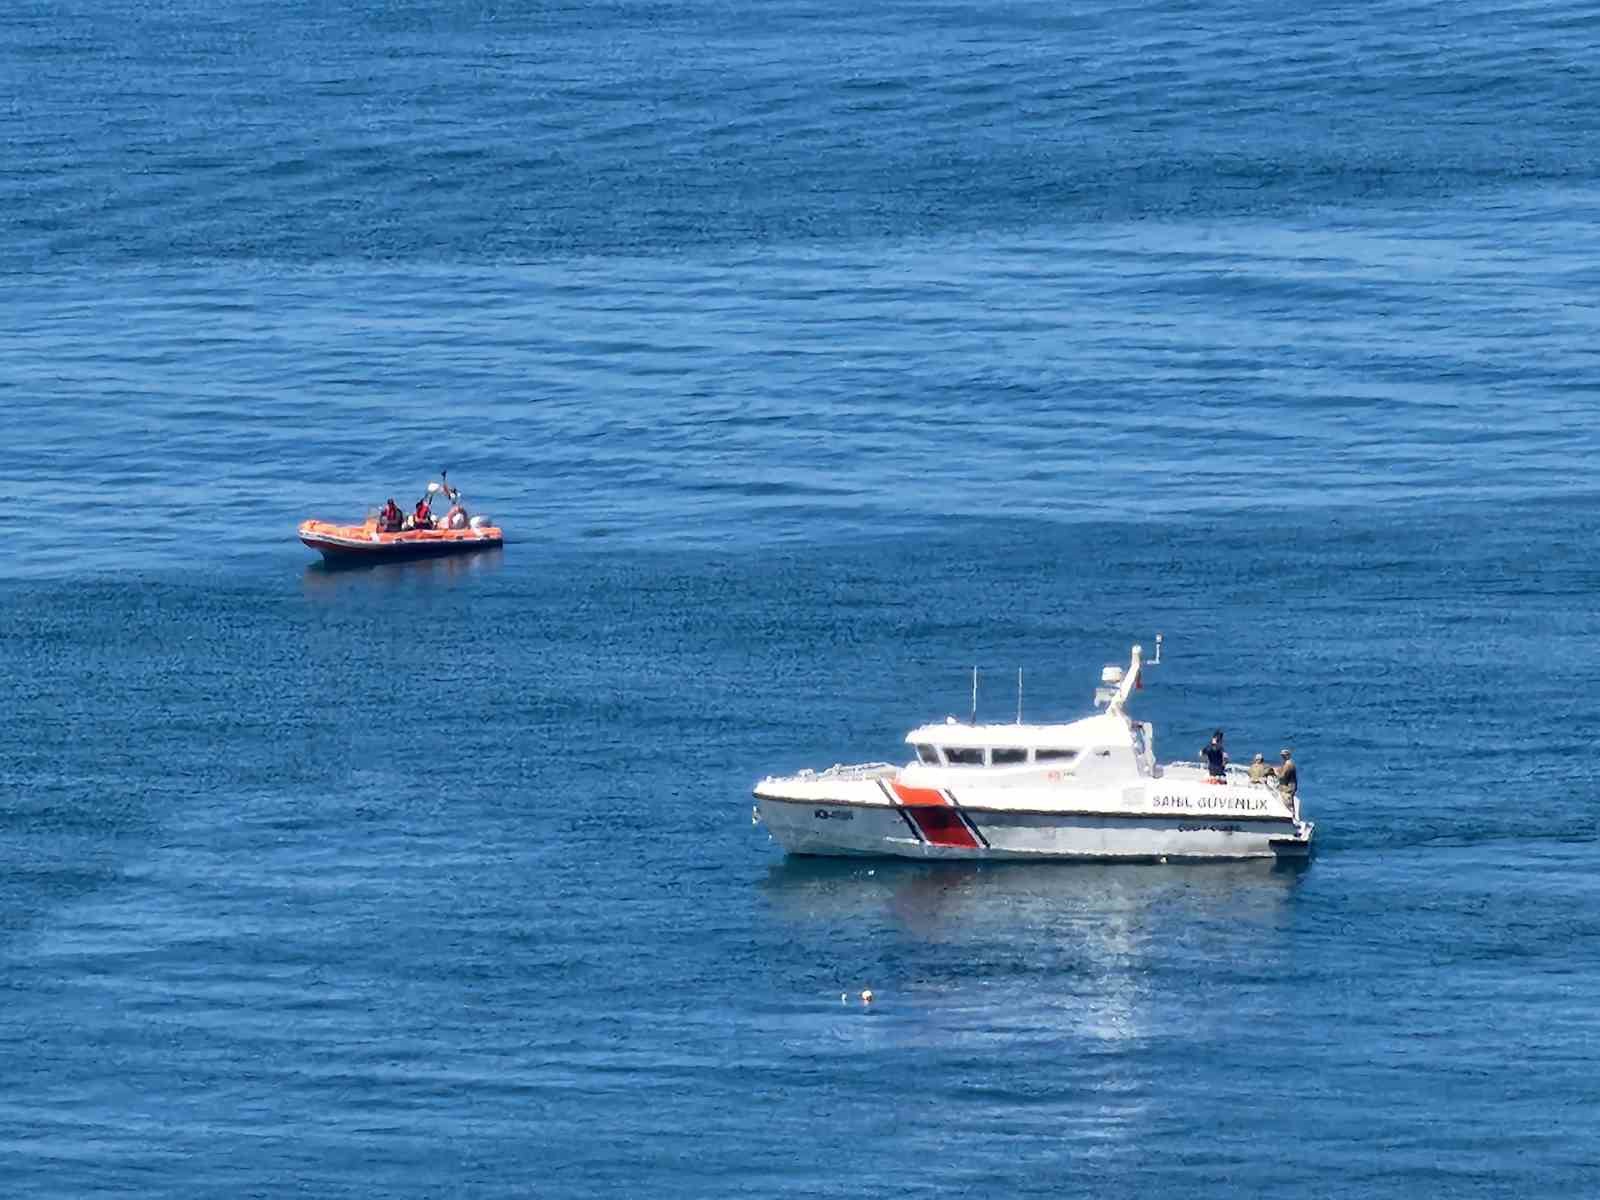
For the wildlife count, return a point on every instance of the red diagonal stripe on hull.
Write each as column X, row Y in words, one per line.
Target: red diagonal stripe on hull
column 938, row 820
column 942, row 826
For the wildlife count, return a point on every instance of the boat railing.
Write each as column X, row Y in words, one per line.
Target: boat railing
column 870, row 770
column 1236, row 771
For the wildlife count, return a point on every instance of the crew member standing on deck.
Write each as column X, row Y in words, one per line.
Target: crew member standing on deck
column 1216, row 758
column 1288, row 777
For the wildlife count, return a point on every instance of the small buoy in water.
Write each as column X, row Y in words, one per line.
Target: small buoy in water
column 1163, row 858
column 844, row 997
column 866, row 996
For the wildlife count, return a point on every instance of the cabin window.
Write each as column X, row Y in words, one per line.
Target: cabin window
column 963, row 758
column 929, row 755
column 1054, row 755
column 1003, row 756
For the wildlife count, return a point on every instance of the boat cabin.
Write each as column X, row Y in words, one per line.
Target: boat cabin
column 1106, row 745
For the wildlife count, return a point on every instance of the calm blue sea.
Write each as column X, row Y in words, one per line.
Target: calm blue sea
column 809, row 353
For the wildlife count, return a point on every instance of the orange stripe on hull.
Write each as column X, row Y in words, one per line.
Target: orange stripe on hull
column 911, row 796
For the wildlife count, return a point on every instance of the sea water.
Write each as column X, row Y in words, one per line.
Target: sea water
column 809, row 355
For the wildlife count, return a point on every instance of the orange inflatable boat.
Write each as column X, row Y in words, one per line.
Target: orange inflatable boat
column 391, row 535
column 357, row 543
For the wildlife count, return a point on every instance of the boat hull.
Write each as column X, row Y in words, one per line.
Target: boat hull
column 809, row 827
column 346, row 545
column 906, row 822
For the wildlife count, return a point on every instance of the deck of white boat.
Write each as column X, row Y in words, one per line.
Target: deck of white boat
column 1192, row 771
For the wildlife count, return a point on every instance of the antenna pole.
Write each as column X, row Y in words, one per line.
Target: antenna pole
column 1019, row 695
column 974, row 720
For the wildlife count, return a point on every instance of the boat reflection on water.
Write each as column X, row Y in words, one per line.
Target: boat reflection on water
column 1035, row 950
column 959, row 901
column 331, row 578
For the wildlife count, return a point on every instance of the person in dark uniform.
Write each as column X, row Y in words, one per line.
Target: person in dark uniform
column 1216, row 757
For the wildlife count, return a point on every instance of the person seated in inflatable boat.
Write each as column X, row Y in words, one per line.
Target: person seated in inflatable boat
column 390, row 519
column 422, row 518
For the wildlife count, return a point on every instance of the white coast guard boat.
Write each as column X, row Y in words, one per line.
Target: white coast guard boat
column 1087, row 789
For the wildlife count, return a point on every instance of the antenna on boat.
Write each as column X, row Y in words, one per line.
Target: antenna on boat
column 974, row 720
column 1019, row 695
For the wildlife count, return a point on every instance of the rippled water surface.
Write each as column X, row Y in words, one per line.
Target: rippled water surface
column 808, row 354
